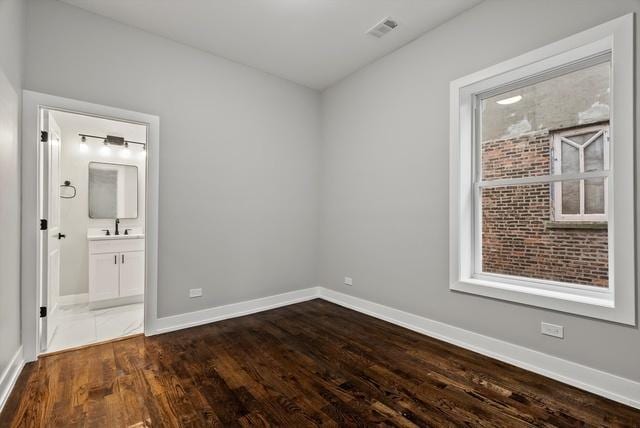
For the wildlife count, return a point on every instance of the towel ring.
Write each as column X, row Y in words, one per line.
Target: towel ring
column 67, row 183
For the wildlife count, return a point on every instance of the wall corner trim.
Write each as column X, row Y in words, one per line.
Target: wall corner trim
column 601, row 383
column 10, row 376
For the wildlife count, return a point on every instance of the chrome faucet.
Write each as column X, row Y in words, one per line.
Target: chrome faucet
column 117, row 232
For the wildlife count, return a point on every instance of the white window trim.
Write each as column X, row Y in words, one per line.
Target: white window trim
column 558, row 215
column 615, row 303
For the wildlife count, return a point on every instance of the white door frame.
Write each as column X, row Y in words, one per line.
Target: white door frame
column 32, row 102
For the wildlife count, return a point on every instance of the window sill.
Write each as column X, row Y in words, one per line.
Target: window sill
column 596, row 304
column 585, row 225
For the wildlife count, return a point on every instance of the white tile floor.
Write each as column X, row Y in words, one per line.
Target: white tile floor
column 77, row 325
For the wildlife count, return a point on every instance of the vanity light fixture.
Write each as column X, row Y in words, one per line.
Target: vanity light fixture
column 112, row 140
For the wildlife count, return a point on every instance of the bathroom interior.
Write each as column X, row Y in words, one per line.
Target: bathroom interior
column 96, row 251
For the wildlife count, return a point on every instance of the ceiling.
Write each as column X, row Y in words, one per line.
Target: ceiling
column 311, row 42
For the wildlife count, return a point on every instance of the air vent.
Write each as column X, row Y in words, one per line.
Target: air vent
column 383, row 27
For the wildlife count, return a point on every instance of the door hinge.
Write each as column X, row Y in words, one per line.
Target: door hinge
column 44, row 136
column 44, row 224
column 43, row 311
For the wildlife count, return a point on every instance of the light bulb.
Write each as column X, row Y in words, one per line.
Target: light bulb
column 125, row 153
column 105, row 151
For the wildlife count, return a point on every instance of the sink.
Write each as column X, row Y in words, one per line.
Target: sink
column 103, row 237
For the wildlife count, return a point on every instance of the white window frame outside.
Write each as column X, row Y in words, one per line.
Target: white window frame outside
column 558, row 137
column 612, row 41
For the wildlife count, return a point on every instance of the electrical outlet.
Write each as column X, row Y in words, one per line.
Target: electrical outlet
column 552, row 330
column 348, row 280
column 195, row 292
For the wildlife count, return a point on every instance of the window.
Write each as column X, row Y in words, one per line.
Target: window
column 581, row 151
column 536, row 185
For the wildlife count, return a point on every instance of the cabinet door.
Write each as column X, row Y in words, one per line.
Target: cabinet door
column 131, row 273
column 103, row 276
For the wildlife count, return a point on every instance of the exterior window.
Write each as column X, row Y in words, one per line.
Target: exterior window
column 576, row 152
column 536, row 187
column 519, row 176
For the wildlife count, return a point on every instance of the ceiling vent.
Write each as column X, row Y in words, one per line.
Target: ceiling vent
column 383, row 27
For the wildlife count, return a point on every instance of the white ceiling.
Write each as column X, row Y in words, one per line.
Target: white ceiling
column 312, row 42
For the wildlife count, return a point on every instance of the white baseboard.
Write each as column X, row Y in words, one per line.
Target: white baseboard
column 589, row 379
column 10, row 376
column 205, row 316
column 73, row 299
column 118, row 301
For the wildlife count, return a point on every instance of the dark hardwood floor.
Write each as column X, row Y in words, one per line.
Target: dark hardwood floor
column 313, row 363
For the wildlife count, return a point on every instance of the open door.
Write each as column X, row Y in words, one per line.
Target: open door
column 50, row 210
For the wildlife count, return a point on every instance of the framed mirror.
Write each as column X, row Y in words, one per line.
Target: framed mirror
column 113, row 191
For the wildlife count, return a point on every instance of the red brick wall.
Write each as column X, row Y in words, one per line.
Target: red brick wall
column 516, row 240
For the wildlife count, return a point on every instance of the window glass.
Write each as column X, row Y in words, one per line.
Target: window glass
column 594, row 196
column 570, row 197
column 555, row 126
column 570, row 159
column 517, row 239
column 514, row 125
column 577, row 98
column 594, row 155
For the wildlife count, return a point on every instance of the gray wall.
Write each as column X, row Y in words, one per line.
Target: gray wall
column 385, row 176
column 238, row 152
column 11, row 59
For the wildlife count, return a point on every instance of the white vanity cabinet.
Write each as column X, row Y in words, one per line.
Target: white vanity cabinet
column 116, row 270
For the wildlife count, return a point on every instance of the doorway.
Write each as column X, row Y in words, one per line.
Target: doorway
column 90, row 184
column 93, row 173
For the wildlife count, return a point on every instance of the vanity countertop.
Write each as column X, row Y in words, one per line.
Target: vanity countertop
column 103, row 237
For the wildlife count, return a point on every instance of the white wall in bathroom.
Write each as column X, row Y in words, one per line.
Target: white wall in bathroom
column 74, row 166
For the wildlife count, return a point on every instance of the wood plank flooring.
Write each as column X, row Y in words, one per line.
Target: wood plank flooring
column 314, row 363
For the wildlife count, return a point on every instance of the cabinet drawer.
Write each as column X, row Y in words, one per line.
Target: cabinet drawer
column 116, row 246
